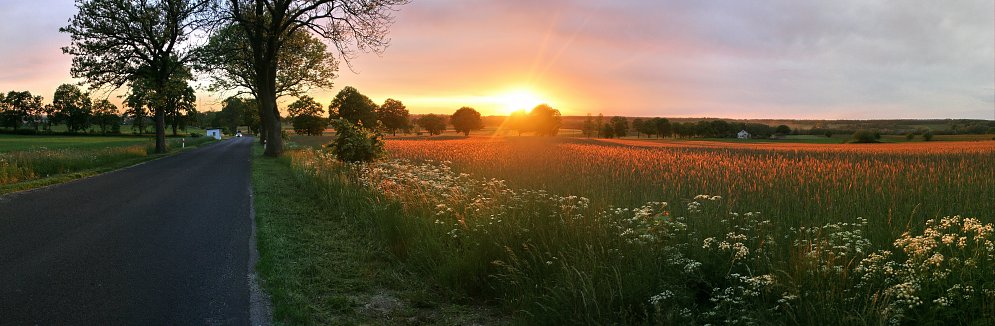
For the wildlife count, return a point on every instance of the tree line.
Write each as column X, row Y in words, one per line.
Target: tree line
column 663, row 128
column 26, row 113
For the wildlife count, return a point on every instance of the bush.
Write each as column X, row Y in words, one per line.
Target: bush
column 195, row 135
column 927, row 136
column 865, row 136
column 355, row 144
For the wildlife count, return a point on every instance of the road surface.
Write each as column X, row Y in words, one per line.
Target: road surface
column 163, row 243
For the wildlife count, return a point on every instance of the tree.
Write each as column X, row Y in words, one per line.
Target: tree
column 73, row 107
column 304, row 64
column 353, row 106
column 545, row 119
column 18, row 107
column 588, row 129
column 233, row 112
column 620, row 126
column 116, row 42
column 434, row 124
column 782, row 130
column 353, row 143
column 466, row 119
column 305, row 105
column 607, row 131
column 306, row 115
column 137, row 102
column 518, row 121
column 647, row 127
column 268, row 24
column 105, row 115
column 394, row 115
column 663, row 127
column 599, row 125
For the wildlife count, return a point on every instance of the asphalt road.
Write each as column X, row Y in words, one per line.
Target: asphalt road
column 162, row 243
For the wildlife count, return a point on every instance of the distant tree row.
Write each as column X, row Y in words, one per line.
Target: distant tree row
column 79, row 113
column 664, row 128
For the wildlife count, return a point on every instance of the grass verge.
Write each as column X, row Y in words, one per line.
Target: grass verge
column 321, row 264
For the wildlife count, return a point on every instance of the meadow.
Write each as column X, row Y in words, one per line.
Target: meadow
column 568, row 230
column 29, row 158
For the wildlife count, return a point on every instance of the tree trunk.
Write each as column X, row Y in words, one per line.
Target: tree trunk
column 270, row 118
column 160, row 130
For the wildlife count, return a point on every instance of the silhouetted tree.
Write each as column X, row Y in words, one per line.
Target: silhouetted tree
column 517, row 121
column 545, row 119
column 268, row 23
column 73, row 107
column 394, row 115
column 353, row 106
column 19, row 107
column 782, row 130
column 466, row 119
column 663, row 127
column 306, row 115
column 620, row 126
column 589, row 128
column 116, row 42
column 607, row 131
column 105, row 115
column 599, row 125
column 433, row 124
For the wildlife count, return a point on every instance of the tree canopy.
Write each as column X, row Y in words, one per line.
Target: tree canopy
column 432, row 123
column 117, row 42
column 466, row 119
column 269, row 24
column 353, row 106
column 394, row 115
column 545, row 120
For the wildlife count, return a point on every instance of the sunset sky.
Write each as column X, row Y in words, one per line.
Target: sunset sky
column 845, row 59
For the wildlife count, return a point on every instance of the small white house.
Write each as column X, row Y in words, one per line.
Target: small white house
column 216, row 133
column 743, row 134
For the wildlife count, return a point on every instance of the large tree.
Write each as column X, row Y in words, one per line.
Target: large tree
column 353, row 106
column 105, row 116
column 466, row 119
column 304, row 64
column 269, row 24
column 118, row 42
column 306, row 115
column 394, row 115
column 433, row 124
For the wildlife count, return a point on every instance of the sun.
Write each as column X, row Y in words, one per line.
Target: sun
column 518, row 99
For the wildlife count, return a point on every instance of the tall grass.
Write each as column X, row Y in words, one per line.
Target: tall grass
column 597, row 234
column 21, row 166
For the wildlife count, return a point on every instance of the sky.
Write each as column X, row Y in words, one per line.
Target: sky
column 845, row 59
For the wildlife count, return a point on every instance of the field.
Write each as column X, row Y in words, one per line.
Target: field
column 569, row 230
column 30, row 161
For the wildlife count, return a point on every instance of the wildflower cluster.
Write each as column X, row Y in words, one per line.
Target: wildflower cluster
column 946, row 270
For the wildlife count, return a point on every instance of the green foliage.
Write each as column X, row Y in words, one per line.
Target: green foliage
column 304, row 106
column 304, row 63
column 234, row 112
column 394, row 116
column 466, row 119
column 353, row 143
column 782, row 130
column 311, row 125
column 607, row 131
column 353, row 106
column 928, row 135
column 433, row 124
column 663, row 127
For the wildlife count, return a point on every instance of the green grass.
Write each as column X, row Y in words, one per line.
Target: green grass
column 28, row 162
column 322, row 266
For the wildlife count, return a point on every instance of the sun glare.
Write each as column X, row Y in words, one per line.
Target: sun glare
column 519, row 99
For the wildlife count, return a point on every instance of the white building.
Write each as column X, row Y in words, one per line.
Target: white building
column 216, row 133
column 743, row 134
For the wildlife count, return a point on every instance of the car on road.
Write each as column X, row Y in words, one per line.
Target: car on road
column 238, row 134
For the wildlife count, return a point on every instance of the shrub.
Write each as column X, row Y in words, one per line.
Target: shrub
column 865, row 136
column 355, row 144
column 195, row 135
column 927, row 136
